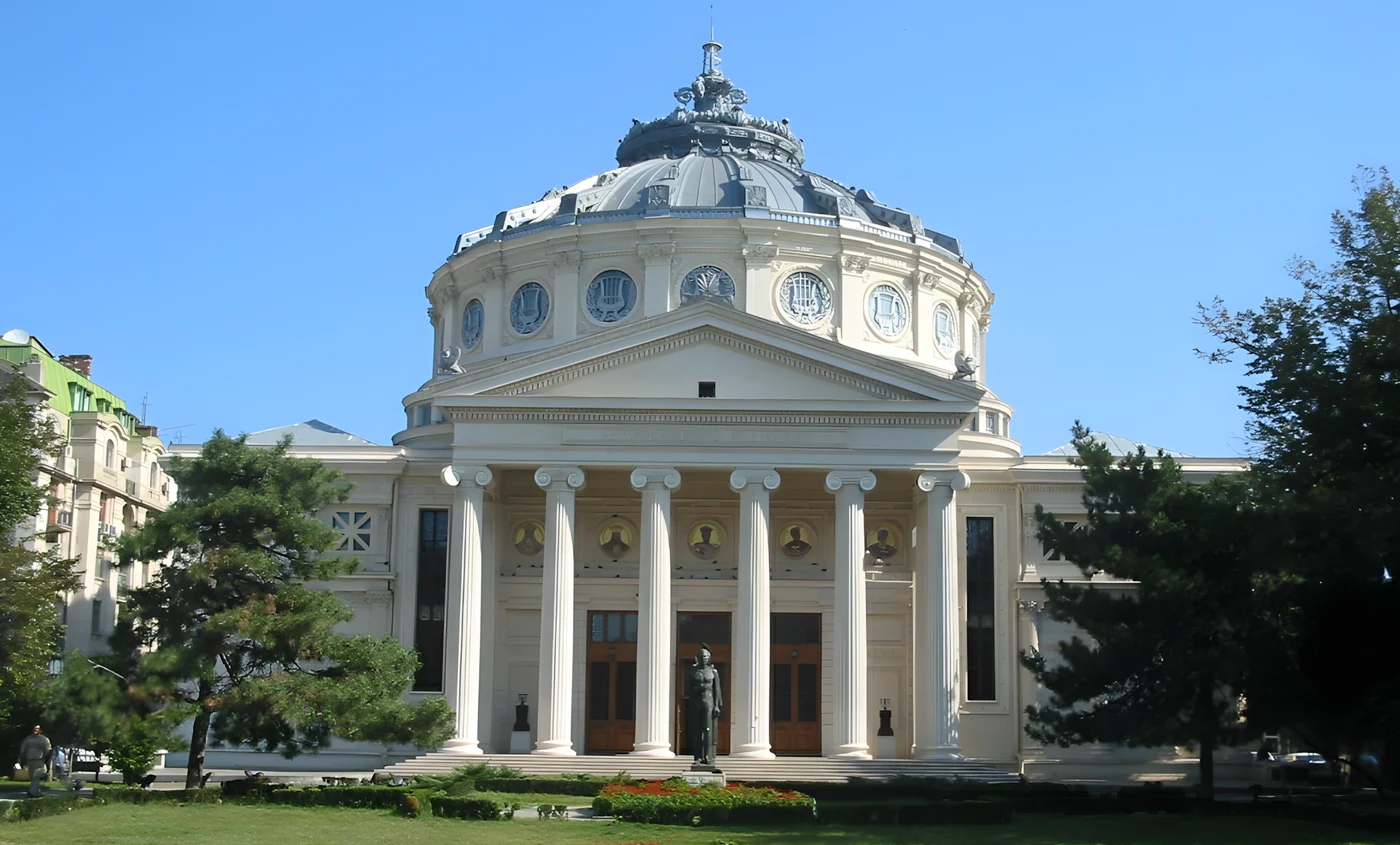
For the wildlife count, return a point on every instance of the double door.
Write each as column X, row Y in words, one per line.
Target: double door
column 795, row 727
column 611, row 686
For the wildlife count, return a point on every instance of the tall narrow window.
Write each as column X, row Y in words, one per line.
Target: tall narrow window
column 97, row 617
column 981, row 610
column 111, row 451
column 430, row 626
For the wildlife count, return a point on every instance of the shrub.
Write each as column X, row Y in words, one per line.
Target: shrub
column 655, row 802
column 464, row 778
column 364, row 797
column 50, row 805
column 129, row 795
column 484, row 809
column 913, row 811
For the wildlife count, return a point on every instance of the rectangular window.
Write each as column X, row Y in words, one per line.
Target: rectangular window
column 795, row 628
column 97, row 617
column 992, row 426
column 425, row 414
column 712, row 628
column 430, row 627
column 707, row 390
column 981, row 610
column 972, row 424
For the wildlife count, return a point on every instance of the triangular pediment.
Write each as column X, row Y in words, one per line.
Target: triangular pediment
column 747, row 357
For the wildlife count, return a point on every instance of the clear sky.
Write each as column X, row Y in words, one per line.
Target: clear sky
column 234, row 207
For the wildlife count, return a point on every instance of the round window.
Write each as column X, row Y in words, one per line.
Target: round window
column 888, row 313
column 805, row 298
column 945, row 328
column 472, row 318
column 529, row 308
column 707, row 284
column 610, row 296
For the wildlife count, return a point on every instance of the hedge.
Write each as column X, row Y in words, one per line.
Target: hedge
column 548, row 785
column 136, row 795
column 364, row 797
column 483, row 809
column 711, row 804
column 913, row 811
column 49, row 805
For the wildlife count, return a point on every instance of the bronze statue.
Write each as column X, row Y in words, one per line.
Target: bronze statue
column 702, row 715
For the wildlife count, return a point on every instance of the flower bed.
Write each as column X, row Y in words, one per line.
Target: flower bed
column 677, row 802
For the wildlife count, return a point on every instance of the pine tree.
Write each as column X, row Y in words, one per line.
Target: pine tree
column 232, row 627
column 1162, row 661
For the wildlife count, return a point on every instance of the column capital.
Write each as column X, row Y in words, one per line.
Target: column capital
column 559, row 478
column 863, row 478
column 477, row 476
column 656, row 253
column 954, row 480
column 741, row 478
column 645, row 476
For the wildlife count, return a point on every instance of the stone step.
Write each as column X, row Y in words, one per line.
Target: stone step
column 796, row 769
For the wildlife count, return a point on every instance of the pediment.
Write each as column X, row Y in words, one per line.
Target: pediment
column 748, row 358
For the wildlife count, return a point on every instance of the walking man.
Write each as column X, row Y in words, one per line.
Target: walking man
column 34, row 754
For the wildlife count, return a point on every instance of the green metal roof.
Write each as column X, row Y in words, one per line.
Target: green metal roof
column 56, row 377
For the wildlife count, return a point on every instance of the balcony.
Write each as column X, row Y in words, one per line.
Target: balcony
column 131, row 487
column 123, row 587
column 60, row 520
column 107, row 529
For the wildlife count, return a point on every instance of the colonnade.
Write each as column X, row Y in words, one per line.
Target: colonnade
column 937, row 644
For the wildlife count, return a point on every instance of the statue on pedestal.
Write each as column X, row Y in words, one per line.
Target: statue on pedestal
column 702, row 714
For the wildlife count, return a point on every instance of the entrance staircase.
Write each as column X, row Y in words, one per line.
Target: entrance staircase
column 780, row 770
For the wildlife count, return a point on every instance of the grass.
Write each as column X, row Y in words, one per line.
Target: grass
column 227, row 824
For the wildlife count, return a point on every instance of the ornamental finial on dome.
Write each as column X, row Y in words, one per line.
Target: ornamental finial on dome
column 710, row 91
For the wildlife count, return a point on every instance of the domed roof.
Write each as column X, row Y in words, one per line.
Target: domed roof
column 713, row 160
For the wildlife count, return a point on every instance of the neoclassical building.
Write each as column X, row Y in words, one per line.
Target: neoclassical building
column 709, row 396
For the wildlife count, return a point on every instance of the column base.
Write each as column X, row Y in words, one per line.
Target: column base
column 651, row 749
column 851, row 752
column 754, row 751
column 555, row 748
column 462, row 746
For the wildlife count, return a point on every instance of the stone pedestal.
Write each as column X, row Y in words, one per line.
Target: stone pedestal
column 520, row 742
column 704, row 776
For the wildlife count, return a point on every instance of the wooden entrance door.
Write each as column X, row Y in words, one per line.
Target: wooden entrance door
column 611, row 693
column 692, row 629
column 795, row 684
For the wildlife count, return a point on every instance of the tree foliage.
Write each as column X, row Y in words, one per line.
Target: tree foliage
column 1161, row 661
column 232, row 627
column 1324, row 415
column 32, row 584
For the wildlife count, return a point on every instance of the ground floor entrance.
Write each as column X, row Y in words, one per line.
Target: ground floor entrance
column 795, row 684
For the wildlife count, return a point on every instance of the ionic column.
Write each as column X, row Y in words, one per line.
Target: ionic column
column 462, row 672
column 849, row 730
column 553, row 723
column 748, row 724
column 937, row 644
column 655, row 655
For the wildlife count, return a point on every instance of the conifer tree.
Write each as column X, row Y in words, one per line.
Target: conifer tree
column 232, row 626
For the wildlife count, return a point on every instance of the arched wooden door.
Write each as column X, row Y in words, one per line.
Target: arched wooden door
column 692, row 629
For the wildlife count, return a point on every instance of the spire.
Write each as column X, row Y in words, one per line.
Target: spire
column 711, row 91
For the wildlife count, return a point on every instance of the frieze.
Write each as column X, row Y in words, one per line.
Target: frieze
column 569, row 258
column 583, row 415
column 760, row 253
column 854, row 263
column 704, row 436
column 656, row 252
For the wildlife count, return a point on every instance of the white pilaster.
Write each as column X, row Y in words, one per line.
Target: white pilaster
column 655, row 655
column 656, row 281
column 937, row 646
column 758, row 279
column 750, row 696
column 553, row 726
column 849, row 729
column 566, row 294
column 462, row 672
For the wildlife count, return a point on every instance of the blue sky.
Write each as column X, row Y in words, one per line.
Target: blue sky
column 235, row 207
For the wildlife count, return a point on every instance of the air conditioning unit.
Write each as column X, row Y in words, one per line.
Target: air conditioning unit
column 123, row 464
column 68, row 451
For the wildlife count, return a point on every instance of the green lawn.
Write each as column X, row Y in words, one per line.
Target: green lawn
column 125, row 824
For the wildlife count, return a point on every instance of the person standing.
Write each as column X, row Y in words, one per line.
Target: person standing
column 34, row 754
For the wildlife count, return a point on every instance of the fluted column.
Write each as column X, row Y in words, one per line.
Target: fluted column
column 850, row 727
column 655, row 655
column 937, row 645
column 554, row 721
column 462, row 676
column 752, row 711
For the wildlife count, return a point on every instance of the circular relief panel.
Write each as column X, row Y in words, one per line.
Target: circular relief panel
column 707, row 284
column 884, row 541
column 887, row 311
column 616, row 537
column 611, row 296
column 796, row 539
column 529, row 308
column 528, row 537
column 705, row 539
column 804, row 298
